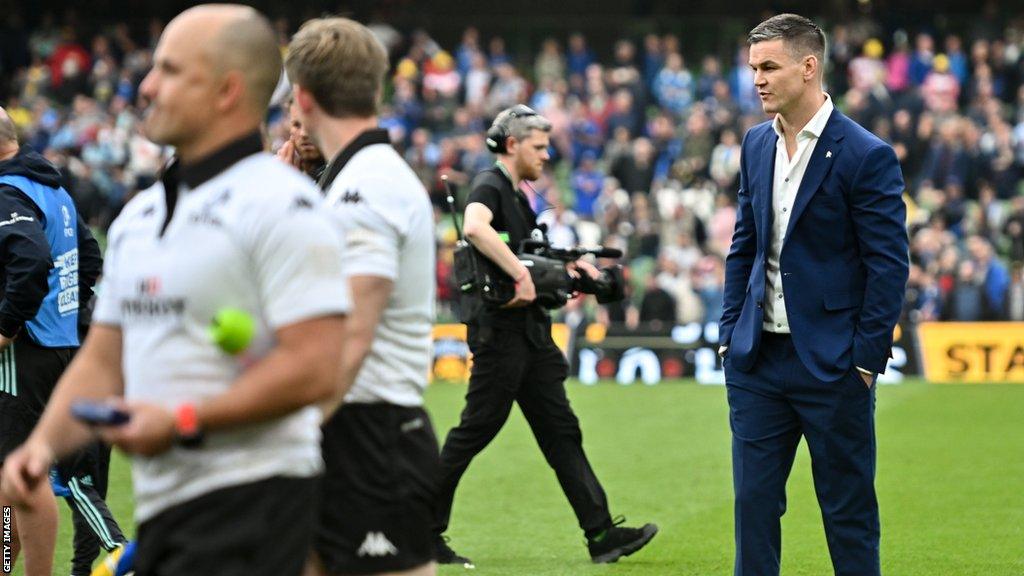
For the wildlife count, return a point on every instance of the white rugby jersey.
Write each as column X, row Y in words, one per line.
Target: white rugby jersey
column 388, row 227
column 253, row 236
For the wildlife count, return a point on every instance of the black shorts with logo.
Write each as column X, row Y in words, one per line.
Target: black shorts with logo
column 378, row 489
column 28, row 375
column 260, row 529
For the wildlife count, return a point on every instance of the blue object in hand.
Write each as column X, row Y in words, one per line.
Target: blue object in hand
column 98, row 413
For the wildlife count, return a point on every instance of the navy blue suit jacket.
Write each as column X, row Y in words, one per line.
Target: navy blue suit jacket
column 844, row 263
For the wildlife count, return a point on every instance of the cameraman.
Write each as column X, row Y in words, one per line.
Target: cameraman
column 514, row 358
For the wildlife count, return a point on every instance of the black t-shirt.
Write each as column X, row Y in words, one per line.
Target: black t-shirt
column 513, row 217
column 515, row 221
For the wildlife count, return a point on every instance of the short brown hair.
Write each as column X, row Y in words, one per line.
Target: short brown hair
column 8, row 131
column 341, row 63
column 800, row 35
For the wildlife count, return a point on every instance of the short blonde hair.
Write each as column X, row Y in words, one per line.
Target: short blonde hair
column 8, row 130
column 341, row 63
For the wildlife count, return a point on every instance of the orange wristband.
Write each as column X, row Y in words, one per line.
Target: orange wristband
column 186, row 426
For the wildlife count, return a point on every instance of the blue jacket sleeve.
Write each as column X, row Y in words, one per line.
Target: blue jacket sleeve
column 879, row 219
column 741, row 255
column 90, row 266
column 25, row 255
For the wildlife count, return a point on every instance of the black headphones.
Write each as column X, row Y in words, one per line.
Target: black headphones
column 497, row 134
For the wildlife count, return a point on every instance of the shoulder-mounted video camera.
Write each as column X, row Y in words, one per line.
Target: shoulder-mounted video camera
column 478, row 275
column 555, row 286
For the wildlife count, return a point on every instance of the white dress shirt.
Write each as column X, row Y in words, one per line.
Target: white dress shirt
column 789, row 172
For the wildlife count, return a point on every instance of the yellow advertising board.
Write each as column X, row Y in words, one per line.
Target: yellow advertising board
column 452, row 360
column 972, row 352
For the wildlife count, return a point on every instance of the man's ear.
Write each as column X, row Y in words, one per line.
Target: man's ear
column 232, row 90
column 811, row 65
column 511, row 145
column 303, row 98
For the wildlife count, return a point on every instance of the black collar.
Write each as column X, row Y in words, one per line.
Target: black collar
column 196, row 173
column 366, row 138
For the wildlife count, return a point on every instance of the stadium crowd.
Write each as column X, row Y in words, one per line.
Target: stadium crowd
column 645, row 144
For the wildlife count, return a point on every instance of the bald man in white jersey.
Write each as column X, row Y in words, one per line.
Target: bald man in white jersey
column 220, row 450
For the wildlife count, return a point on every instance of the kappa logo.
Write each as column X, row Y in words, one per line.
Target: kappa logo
column 351, row 197
column 301, row 203
column 207, row 215
column 376, row 544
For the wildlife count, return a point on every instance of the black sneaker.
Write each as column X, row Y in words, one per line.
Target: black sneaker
column 444, row 554
column 619, row 541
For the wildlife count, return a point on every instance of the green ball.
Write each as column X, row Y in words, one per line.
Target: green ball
column 232, row 329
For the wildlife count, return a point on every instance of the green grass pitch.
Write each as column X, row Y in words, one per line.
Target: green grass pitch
column 950, row 482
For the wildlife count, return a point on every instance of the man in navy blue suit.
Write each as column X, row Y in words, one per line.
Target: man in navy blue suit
column 814, row 285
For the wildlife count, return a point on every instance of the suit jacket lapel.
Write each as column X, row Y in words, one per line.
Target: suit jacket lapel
column 768, row 184
column 824, row 156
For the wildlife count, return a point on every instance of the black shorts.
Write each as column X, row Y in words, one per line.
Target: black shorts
column 28, row 375
column 260, row 529
column 378, row 490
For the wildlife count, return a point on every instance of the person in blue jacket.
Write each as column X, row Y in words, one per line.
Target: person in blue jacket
column 49, row 262
column 814, row 285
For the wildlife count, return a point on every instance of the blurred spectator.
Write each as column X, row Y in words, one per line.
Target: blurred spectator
column 635, row 172
column 440, row 76
column 468, row 49
column 722, row 224
column 958, row 63
column 560, row 222
column 991, row 273
column 968, row 301
column 710, row 73
column 940, row 88
column 946, row 162
column 657, row 308
column 923, row 300
column 840, row 52
column 550, row 65
column 587, row 180
column 507, row 90
column 679, row 285
column 1015, row 296
column 697, row 147
column 497, row 53
column 725, row 160
column 867, row 71
column 423, row 155
column 673, row 86
column 741, row 82
column 580, row 57
column 654, row 58
column 709, row 283
column 624, row 113
column 645, row 151
column 1013, row 229
column 897, row 65
column 478, row 80
column 921, row 59
column 667, row 146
